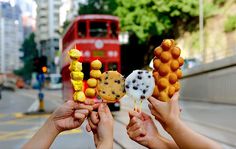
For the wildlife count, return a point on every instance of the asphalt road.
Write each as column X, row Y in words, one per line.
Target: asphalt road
column 213, row 120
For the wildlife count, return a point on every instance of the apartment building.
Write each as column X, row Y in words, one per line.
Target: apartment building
column 11, row 37
column 47, row 25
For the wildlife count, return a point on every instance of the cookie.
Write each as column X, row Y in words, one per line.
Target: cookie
column 111, row 86
column 167, row 72
column 139, row 84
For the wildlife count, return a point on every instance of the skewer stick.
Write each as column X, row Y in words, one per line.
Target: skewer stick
column 140, row 105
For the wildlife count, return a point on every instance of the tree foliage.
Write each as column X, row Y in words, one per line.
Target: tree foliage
column 29, row 51
column 97, row 7
column 157, row 17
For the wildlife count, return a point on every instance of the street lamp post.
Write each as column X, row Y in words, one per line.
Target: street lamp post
column 201, row 31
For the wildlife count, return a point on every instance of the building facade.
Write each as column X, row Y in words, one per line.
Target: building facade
column 11, row 37
column 47, row 26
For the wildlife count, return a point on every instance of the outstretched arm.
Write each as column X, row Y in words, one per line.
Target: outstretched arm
column 167, row 113
column 68, row 116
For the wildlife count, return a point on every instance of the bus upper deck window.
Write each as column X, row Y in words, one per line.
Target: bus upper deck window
column 114, row 30
column 98, row 29
column 82, row 29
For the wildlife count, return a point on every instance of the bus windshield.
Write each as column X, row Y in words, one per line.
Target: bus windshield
column 98, row 29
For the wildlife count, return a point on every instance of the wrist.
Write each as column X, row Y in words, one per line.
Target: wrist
column 159, row 142
column 173, row 126
column 50, row 124
column 108, row 144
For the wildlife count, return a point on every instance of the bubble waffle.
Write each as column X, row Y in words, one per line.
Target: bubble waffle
column 167, row 72
column 111, row 86
column 139, row 84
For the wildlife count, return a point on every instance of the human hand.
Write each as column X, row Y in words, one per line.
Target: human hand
column 142, row 130
column 101, row 124
column 70, row 115
column 167, row 113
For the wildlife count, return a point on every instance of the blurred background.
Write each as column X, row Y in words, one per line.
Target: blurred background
column 35, row 36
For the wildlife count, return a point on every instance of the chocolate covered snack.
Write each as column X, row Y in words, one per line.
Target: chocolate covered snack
column 139, row 84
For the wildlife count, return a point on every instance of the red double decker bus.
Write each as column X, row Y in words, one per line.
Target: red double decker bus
column 96, row 36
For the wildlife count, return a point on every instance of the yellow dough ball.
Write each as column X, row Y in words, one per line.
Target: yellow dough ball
column 96, row 64
column 95, row 74
column 90, row 92
column 75, row 54
column 77, row 75
column 92, row 82
column 77, row 85
column 79, row 96
column 75, row 66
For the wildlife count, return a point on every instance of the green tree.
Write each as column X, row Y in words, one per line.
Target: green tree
column 154, row 20
column 29, row 51
column 97, row 7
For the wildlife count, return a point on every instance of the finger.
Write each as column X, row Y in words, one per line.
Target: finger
column 175, row 99
column 134, row 127
column 104, row 112
column 83, row 106
column 138, row 132
column 88, row 128
column 145, row 116
column 79, row 115
column 82, row 111
column 133, row 113
column 94, row 117
column 89, row 102
column 95, row 106
column 155, row 102
column 154, row 112
column 93, row 126
column 132, row 122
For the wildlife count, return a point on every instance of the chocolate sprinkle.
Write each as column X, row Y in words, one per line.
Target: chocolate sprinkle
column 142, row 97
column 140, row 72
column 149, row 76
column 144, row 91
column 147, row 86
column 103, row 92
column 134, row 81
column 139, row 77
column 135, row 87
column 127, row 86
column 106, row 83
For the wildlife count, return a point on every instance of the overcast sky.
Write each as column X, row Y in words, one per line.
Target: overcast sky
column 28, row 7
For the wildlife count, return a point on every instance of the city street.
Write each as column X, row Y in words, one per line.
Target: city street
column 213, row 120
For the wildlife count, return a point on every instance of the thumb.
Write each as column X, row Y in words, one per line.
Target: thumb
column 175, row 99
column 104, row 111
